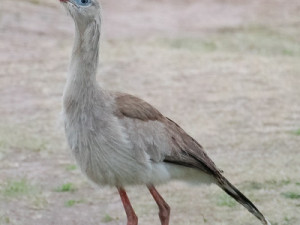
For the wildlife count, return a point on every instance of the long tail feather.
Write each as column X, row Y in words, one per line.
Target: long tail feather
column 242, row 199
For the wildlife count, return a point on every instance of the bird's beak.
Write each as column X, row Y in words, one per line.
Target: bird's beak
column 63, row 0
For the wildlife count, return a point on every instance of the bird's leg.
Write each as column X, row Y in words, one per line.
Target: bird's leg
column 164, row 208
column 131, row 216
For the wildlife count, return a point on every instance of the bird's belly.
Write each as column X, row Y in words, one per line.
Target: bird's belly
column 116, row 170
column 96, row 158
column 108, row 159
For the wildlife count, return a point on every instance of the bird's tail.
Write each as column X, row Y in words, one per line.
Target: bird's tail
column 242, row 199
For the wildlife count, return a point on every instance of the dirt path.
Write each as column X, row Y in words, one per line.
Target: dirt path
column 226, row 71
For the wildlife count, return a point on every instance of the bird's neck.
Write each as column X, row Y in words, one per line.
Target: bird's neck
column 84, row 61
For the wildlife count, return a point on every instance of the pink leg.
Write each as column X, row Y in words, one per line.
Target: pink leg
column 164, row 208
column 131, row 216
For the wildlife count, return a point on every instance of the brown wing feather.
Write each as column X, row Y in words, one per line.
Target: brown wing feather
column 185, row 150
column 133, row 107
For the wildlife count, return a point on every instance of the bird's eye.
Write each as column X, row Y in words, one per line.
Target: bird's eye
column 84, row 2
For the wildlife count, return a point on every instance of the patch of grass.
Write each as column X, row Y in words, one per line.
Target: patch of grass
column 253, row 185
column 72, row 202
column 289, row 221
column 17, row 188
column 225, row 200
column 297, row 132
column 4, row 219
column 291, row 195
column 278, row 183
column 67, row 187
column 39, row 202
column 36, row 2
column 71, row 167
column 107, row 218
column 285, row 182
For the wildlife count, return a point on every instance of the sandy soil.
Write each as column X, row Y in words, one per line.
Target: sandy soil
column 226, row 70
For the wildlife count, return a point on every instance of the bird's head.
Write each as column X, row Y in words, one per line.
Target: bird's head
column 83, row 12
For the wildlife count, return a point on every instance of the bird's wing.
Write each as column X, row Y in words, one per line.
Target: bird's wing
column 186, row 151
column 183, row 149
column 135, row 108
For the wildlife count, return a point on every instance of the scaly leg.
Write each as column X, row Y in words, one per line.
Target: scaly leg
column 164, row 208
column 131, row 216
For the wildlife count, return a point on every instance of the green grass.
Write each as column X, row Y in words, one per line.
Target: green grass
column 289, row 221
column 107, row 218
column 253, row 185
column 72, row 202
column 67, row 187
column 71, row 167
column 225, row 200
column 297, row 132
column 278, row 183
column 4, row 219
column 39, row 202
column 36, row 2
column 17, row 188
column 291, row 195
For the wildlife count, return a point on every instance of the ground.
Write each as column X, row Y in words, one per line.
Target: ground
column 227, row 71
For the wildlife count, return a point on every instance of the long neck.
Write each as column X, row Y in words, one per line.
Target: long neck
column 84, row 61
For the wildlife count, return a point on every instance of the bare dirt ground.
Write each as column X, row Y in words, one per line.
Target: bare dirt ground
column 228, row 71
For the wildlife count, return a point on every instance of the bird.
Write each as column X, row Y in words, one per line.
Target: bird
column 119, row 140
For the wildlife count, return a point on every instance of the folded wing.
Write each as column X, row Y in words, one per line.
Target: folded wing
column 184, row 150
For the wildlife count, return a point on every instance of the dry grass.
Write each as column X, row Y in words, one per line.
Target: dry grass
column 226, row 71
